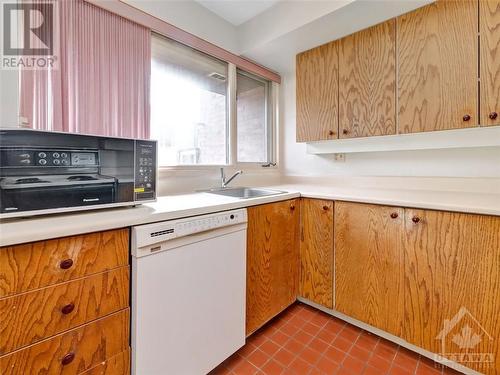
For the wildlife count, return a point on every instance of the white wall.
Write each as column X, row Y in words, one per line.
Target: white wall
column 481, row 162
column 193, row 18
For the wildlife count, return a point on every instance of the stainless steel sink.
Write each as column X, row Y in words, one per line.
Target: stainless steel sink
column 245, row 193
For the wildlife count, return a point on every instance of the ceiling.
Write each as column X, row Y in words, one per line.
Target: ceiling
column 237, row 11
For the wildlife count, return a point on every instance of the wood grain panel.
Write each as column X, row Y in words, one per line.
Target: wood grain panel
column 438, row 67
column 33, row 316
column 38, row 264
column 316, row 251
column 117, row 365
column 317, row 93
column 91, row 344
column 272, row 261
column 369, row 264
column 452, row 263
column 367, row 82
column 489, row 23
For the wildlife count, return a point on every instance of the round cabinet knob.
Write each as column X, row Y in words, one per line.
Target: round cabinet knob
column 466, row 117
column 415, row 219
column 394, row 215
column 67, row 309
column 326, row 208
column 65, row 264
column 493, row 115
column 345, row 131
column 292, row 207
column 331, row 132
column 67, row 359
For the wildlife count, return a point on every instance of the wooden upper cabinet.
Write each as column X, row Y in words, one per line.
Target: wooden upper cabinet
column 489, row 20
column 369, row 264
column 316, row 251
column 452, row 269
column 367, row 82
column 438, row 67
column 272, row 261
column 317, row 93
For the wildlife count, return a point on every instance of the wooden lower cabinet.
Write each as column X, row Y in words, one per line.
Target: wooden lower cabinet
column 316, row 251
column 369, row 264
column 272, row 261
column 117, row 365
column 30, row 317
column 72, row 352
column 64, row 305
column 452, row 289
column 35, row 265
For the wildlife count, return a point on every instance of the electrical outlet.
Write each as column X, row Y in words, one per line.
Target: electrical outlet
column 339, row 157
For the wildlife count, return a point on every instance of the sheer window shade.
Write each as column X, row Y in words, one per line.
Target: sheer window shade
column 102, row 84
column 188, row 105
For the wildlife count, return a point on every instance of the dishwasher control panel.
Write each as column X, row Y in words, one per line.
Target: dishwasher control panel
column 145, row 236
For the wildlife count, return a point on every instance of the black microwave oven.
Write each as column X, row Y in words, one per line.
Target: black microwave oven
column 50, row 172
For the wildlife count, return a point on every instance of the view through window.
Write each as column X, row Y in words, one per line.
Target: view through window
column 188, row 105
column 252, row 118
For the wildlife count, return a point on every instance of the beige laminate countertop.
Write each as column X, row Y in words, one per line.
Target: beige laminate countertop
column 17, row 231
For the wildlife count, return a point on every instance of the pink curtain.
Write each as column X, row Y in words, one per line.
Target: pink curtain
column 102, row 84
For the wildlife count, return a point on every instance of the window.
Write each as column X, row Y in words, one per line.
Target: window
column 188, row 105
column 192, row 96
column 252, row 118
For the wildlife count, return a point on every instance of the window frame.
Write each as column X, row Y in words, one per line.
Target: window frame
column 272, row 90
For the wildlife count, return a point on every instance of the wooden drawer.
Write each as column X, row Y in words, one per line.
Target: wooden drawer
column 89, row 345
column 118, row 365
column 39, row 264
column 30, row 317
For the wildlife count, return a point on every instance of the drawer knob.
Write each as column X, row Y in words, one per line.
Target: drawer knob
column 467, row 117
column 68, row 308
column 415, row 219
column 493, row 115
column 325, row 208
column 394, row 215
column 65, row 264
column 331, row 132
column 292, row 207
column 67, row 359
column 345, row 131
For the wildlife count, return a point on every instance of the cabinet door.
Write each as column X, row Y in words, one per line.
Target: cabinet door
column 317, row 93
column 369, row 264
column 452, row 269
column 489, row 19
column 437, row 67
column 367, row 82
column 272, row 261
column 316, row 251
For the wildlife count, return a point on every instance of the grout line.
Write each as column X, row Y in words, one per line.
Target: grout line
column 302, row 316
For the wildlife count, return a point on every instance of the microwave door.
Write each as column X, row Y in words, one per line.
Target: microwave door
column 29, row 199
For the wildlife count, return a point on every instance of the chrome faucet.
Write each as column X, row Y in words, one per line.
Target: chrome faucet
column 223, row 181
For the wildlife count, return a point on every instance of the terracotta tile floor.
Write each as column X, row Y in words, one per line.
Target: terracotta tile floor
column 303, row 340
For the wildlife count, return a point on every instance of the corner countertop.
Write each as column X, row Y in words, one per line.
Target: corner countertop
column 37, row 228
column 16, row 231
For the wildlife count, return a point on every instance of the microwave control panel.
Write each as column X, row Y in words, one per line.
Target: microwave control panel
column 48, row 158
column 145, row 170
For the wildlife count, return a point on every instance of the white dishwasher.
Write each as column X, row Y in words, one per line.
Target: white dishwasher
column 188, row 293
